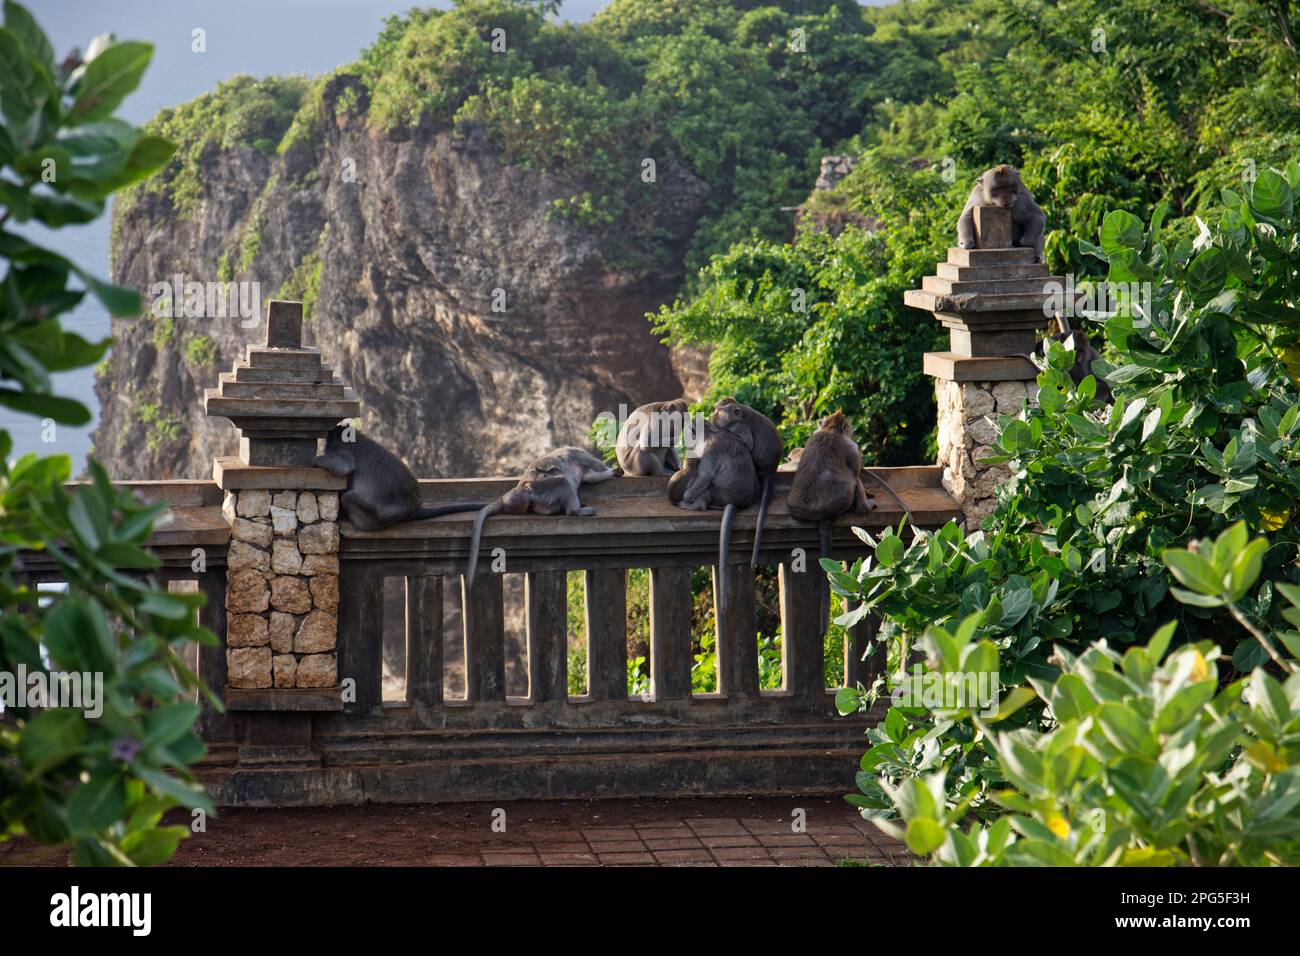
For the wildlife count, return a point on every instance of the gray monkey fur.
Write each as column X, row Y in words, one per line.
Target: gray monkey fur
column 757, row 433
column 639, row 449
column 549, row 487
column 827, row 483
column 381, row 490
column 1001, row 186
column 723, row 476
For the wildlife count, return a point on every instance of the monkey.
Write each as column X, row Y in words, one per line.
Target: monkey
column 723, row 476
column 757, row 433
column 549, row 487
column 381, row 490
column 1085, row 353
column 682, row 477
column 828, row 483
column 1001, row 186
column 647, row 442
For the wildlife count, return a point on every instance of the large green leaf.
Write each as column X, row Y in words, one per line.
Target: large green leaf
column 98, row 803
column 24, row 27
column 65, row 411
column 51, row 738
column 1206, row 274
column 150, row 847
column 1194, row 571
column 109, row 77
column 1121, row 230
column 78, row 637
column 1271, row 196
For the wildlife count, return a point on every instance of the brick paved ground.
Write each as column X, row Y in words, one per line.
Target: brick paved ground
column 594, row 833
column 697, row 832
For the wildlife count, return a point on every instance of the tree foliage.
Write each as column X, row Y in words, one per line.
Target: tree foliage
column 1093, row 546
column 96, row 777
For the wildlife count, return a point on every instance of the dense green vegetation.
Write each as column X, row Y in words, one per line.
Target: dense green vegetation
column 746, row 96
column 1170, row 512
column 94, row 772
column 241, row 112
column 1104, row 106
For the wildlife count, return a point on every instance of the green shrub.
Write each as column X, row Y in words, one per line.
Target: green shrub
column 1148, row 759
column 304, row 284
column 803, row 329
column 201, row 352
column 94, row 778
column 1201, row 434
column 241, row 112
column 160, row 426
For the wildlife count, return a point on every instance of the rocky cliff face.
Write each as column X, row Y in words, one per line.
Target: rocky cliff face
column 400, row 243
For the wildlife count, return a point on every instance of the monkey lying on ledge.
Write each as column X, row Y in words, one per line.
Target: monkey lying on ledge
column 548, row 487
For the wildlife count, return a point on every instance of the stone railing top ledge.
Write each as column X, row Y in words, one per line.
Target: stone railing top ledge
column 233, row 474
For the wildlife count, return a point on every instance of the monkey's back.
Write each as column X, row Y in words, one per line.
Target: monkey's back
column 824, row 485
column 735, row 482
column 381, row 475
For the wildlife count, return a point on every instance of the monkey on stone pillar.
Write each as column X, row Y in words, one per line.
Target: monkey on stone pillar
column 1001, row 186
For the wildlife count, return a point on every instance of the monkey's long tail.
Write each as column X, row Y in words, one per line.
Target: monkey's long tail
column 825, row 531
column 475, row 538
column 724, row 548
column 892, row 493
column 451, row 508
column 768, row 481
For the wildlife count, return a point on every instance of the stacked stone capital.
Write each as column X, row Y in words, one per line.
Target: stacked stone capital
column 994, row 300
column 282, row 564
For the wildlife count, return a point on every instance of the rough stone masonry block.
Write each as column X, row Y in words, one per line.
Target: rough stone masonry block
column 319, row 538
column 325, row 592
column 253, row 503
column 314, row 564
column 290, row 595
column 318, row 632
column 281, row 632
column 247, row 630
column 246, row 591
column 240, row 555
column 248, row 667
column 993, row 227
column 285, row 667
column 285, row 558
column 967, row 429
column 317, row 670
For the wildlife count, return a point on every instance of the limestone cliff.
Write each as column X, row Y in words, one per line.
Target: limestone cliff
column 398, row 241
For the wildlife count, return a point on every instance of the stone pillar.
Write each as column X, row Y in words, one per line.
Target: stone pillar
column 968, row 415
column 992, row 300
column 282, row 585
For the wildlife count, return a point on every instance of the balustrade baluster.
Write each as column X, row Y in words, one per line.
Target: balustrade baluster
column 424, row 640
column 670, row 633
column 737, row 633
column 607, row 634
column 485, row 640
column 548, row 650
